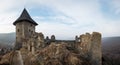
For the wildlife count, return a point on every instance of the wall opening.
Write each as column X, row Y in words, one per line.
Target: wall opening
column 18, row 30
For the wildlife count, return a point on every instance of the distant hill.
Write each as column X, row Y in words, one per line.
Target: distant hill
column 111, row 51
column 7, row 39
column 111, row 44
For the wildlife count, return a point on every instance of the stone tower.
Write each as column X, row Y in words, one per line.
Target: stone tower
column 25, row 27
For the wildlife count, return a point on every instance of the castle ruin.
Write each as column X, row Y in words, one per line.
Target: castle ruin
column 87, row 45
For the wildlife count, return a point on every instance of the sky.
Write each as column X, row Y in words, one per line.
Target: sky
column 64, row 18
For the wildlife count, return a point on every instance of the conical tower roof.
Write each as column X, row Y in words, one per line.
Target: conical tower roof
column 25, row 17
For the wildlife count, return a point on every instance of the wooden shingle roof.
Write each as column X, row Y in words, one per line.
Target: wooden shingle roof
column 25, row 17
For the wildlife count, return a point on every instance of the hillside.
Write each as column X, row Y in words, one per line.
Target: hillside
column 111, row 44
column 7, row 39
column 111, row 51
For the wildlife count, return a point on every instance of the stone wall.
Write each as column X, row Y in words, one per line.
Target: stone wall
column 84, row 44
column 96, row 49
column 87, row 47
column 90, row 47
column 24, row 30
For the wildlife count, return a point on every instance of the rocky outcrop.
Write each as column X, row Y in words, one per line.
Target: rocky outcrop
column 55, row 54
column 5, row 59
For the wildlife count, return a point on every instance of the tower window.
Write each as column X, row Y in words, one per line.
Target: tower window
column 31, row 31
column 18, row 30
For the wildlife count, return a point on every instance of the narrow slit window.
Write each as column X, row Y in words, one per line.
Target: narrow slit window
column 18, row 30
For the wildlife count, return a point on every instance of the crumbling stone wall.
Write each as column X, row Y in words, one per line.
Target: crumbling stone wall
column 34, row 43
column 40, row 41
column 83, row 46
column 90, row 47
column 96, row 49
column 87, row 45
column 84, row 50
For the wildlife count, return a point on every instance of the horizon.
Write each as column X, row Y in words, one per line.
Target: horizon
column 64, row 19
column 72, row 38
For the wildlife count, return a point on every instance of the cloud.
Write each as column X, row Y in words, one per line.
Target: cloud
column 9, row 11
column 116, row 6
column 66, row 18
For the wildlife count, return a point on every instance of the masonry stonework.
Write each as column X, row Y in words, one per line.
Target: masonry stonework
column 87, row 45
